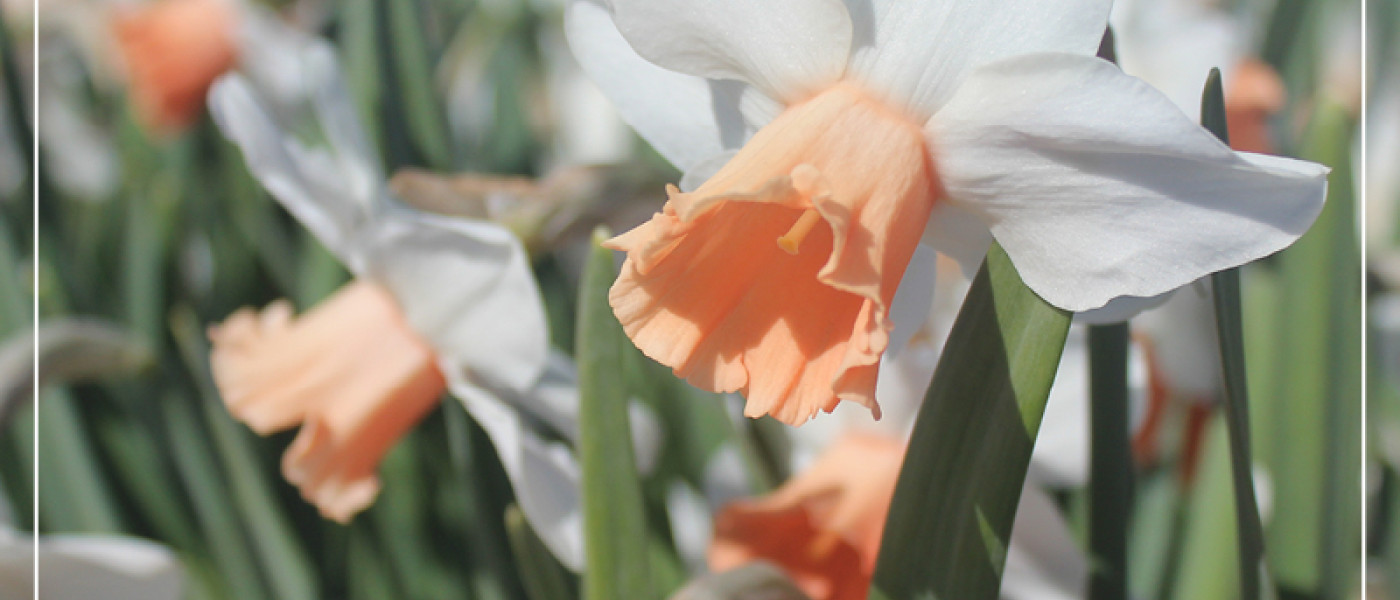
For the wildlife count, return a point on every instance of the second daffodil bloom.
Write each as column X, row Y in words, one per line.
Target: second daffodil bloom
column 438, row 304
column 823, row 528
column 824, row 140
column 174, row 49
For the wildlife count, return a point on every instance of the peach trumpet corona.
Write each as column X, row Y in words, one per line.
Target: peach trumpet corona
column 350, row 371
column 776, row 276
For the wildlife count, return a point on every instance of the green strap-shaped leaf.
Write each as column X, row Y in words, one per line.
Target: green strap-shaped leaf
column 413, row 60
column 953, row 507
column 1314, row 533
column 615, row 529
column 1230, row 329
column 1110, row 461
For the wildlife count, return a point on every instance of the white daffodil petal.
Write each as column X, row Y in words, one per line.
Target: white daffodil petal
column 1061, row 454
column 1121, row 309
column 686, row 118
column 958, row 233
column 102, row 566
column 467, row 288
column 269, row 55
column 1043, row 560
column 339, row 120
column 910, row 307
column 544, row 475
column 918, row 53
column 787, row 48
column 308, row 183
column 1098, row 187
column 697, row 175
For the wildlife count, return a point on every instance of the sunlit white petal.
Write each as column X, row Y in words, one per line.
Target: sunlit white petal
column 918, row 53
column 787, row 48
column 682, row 116
column 1098, row 187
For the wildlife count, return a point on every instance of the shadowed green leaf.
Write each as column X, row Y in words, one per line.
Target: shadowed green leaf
column 1110, row 461
column 962, row 476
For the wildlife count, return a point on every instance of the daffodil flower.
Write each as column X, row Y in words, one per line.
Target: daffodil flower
column 823, row 528
column 173, row 50
column 437, row 304
column 824, row 140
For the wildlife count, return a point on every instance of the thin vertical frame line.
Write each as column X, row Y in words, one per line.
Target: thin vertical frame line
column 34, row 183
column 1365, row 319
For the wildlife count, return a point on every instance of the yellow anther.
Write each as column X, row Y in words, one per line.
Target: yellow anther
column 792, row 240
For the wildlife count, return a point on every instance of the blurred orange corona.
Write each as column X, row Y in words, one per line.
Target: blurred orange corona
column 173, row 50
column 350, row 371
column 823, row 527
column 1253, row 95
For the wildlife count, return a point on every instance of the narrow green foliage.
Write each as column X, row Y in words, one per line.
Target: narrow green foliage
column 615, row 531
column 1313, row 534
column 361, row 54
column 288, row 568
column 1110, row 461
column 208, row 491
column 1230, row 329
column 73, row 493
column 1205, row 568
column 414, row 75
column 957, row 493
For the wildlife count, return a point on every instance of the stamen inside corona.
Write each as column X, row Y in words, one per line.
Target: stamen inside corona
column 791, row 241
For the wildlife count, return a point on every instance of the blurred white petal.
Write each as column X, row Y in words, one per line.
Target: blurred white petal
column 1061, row 454
column 467, row 287
column 587, row 128
column 79, row 567
column 1185, row 342
column 1043, row 560
column 692, row 525
column 545, row 475
column 309, row 183
column 1173, row 44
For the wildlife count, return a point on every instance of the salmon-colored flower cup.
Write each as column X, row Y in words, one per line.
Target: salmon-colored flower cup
column 173, row 50
column 775, row 277
column 824, row 526
column 350, row 371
